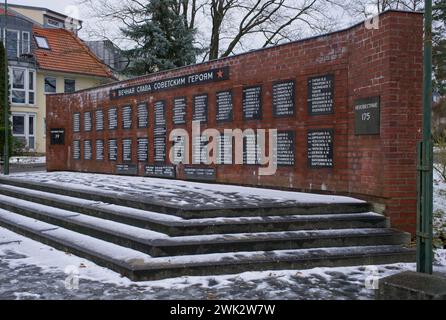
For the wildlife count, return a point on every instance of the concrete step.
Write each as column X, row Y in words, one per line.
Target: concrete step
column 141, row 267
column 190, row 211
column 176, row 226
column 158, row 244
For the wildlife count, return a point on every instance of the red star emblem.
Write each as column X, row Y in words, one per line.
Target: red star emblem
column 220, row 74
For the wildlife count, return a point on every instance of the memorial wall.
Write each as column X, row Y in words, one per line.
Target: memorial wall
column 344, row 111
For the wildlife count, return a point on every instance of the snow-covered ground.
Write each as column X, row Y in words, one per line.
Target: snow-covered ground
column 27, row 160
column 31, row 270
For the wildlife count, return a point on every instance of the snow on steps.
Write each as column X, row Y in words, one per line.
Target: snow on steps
column 176, row 226
column 304, row 204
column 158, row 244
column 141, row 267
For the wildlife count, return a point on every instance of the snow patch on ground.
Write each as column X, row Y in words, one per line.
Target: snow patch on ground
column 27, row 160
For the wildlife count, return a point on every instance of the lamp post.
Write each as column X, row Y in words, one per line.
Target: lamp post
column 6, row 99
column 425, row 151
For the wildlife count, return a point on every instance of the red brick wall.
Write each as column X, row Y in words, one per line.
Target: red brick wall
column 386, row 62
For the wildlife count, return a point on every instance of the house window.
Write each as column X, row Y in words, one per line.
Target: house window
column 26, row 43
column 54, row 23
column 50, row 85
column 23, row 128
column 13, row 38
column 23, row 85
column 70, row 86
column 42, row 42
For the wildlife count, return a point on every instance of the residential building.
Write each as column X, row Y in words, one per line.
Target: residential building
column 44, row 60
column 110, row 55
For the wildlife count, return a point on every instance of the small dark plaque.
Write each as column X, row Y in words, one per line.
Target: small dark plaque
column 143, row 149
column 320, row 148
column 143, row 116
column 158, row 171
column 179, row 111
column 160, row 149
column 286, row 151
column 88, row 122
column 200, row 149
column 179, row 149
column 160, row 114
column 127, row 117
column 127, row 150
column 368, row 116
column 113, row 150
column 113, row 119
column 225, row 149
column 321, row 95
column 201, row 108
column 127, row 169
column 88, row 151
column 57, row 136
column 99, row 150
column 200, row 173
column 284, row 99
column 76, row 150
column 99, row 115
column 252, row 103
column 250, row 150
column 224, row 106
column 76, row 122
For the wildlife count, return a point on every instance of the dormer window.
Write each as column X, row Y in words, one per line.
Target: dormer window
column 42, row 42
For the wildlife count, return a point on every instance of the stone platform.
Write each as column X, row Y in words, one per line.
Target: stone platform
column 150, row 229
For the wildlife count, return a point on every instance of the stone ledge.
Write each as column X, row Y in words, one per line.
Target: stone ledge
column 412, row 286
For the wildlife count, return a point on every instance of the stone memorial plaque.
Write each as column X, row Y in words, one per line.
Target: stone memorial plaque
column 250, row 152
column 99, row 150
column 158, row 171
column 284, row 94
column 57, row 136
column 113, row 150
column 252, row 103
column 320, row 148
column 368, row 116
column 179, row 150
column 88, row 122
column 224, row 106
column 76, row 122
column 127, row 150
column 285, row 154
column 225, row 150
column 200, row 149
column 143, row 149
column 321, row 95
column 160, row 149
column 113, row 119
column 200, row 173
column 76, row 150
column 160, row 114
column 127, row 117
column 179, row 111
column 88, row 150
column 200, row 108
column 143, row 116
column 127, row 169
column 99, row 117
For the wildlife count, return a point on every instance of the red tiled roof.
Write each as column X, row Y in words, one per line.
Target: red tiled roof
column 68, row 54
column 10, row 12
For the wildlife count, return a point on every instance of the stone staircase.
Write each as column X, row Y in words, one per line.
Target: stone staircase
column 148, row 240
